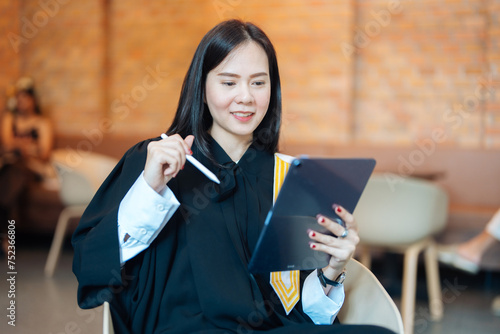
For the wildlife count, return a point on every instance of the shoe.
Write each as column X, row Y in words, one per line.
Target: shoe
column 449, row 255
column 495, row 306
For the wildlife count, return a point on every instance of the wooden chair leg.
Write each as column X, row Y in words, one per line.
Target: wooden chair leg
column 433, row 282
column 55, row 247
column 59, row 234
column 107, row 324
column 409, row 286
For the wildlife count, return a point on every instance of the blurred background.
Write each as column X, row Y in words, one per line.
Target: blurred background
column 414, row 84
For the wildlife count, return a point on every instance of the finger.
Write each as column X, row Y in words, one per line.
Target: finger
column 334, row 247
column 346, row 216
column 351, row 240
column 189, row 141
column 335, row 241
column 330, row 225
column 176, row 138
column 322, row 238
column 172, row 146
column 176, row 142
column 338, row 254
column 172, row 160
column 163, row 161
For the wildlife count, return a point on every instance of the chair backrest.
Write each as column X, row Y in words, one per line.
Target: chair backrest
column 366, row 301
column 81, row 175
column 394, row 210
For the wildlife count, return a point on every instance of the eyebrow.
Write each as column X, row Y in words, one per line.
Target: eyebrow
column 234, row 75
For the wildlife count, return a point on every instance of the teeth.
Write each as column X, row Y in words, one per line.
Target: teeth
column 241, row 114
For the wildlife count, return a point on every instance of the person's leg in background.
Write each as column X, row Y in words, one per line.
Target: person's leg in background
column 475, row 248
column 467, row 255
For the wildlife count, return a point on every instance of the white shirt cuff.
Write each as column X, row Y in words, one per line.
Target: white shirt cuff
column 142, row 214
column 321, row 308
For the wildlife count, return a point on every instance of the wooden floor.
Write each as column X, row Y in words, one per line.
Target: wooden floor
column 49, row 306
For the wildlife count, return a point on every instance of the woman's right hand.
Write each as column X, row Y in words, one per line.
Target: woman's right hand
column 165, row 158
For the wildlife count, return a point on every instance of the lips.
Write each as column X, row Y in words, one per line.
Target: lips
column 242, row 115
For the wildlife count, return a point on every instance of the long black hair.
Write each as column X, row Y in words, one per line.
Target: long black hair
column 193, row 116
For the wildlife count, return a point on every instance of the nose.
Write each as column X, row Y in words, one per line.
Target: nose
column 244, row 95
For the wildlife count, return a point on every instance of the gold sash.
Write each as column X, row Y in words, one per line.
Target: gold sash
column 286, row 284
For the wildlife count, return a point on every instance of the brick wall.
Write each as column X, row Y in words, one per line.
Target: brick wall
column 64, row 55
column 9, row 58
column 422, row 67
column 492, row 82
column 369, row 72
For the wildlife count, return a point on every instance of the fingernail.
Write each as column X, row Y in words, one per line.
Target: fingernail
column 338, row 209
column 312, row 234
column 313, row 246
column 321, row 219
column 190, row 152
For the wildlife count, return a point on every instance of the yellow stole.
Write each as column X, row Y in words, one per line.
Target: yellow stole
column 286, row 284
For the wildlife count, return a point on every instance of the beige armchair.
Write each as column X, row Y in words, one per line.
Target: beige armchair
column 80, row 177
column 366, row 301
column 402, row 215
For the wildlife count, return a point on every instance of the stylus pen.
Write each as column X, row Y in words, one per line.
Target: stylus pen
column 198, row 165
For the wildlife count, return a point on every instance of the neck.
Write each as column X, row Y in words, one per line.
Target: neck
column 235, row 152
column 234, row 147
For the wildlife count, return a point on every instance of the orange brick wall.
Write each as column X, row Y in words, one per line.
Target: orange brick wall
column 353, row 72
column 9, row 56
column 64, row 54
column 315, row 88
column 423, row 67
column 492, row 82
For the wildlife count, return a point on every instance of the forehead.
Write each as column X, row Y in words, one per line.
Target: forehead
column 248, row 57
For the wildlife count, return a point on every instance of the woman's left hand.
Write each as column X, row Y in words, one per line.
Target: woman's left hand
column 340, row 246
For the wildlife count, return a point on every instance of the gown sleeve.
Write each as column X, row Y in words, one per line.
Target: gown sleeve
column 142, row 214
column 96, row 262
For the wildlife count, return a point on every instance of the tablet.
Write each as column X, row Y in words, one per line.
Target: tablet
column 311, row 186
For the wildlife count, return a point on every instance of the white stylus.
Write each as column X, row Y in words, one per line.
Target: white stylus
column 198, row 165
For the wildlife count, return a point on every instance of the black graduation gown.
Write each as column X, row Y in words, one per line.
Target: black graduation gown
column 193, row 277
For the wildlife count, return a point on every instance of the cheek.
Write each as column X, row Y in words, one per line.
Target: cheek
column 263, row 100
column 216, row 99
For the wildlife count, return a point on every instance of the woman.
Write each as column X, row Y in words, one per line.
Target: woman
column 26, row 133
column 27, row 140
column 169, row 248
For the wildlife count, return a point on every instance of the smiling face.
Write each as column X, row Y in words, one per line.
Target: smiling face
column 237, row 93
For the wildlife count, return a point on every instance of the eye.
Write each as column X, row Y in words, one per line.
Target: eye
column 259, row 83
column 228, row 83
